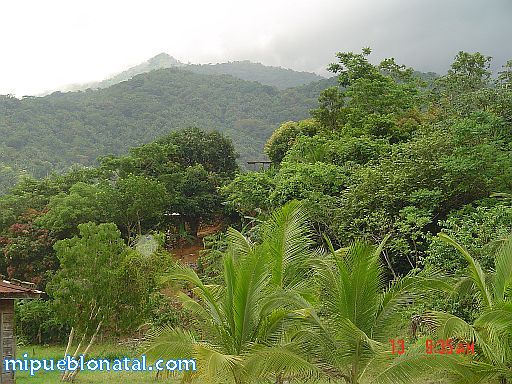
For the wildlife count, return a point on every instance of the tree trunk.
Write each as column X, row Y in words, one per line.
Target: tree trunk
column 194, row 226
column 66, row 375
column 70, row 341
column 71, row 376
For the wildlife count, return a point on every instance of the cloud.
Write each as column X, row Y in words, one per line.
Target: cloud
column 58, row 42
column 423, row 34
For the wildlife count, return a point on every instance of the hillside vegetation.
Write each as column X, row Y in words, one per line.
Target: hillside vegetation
column 41, row 135
column 377, row 249
column 278, row 77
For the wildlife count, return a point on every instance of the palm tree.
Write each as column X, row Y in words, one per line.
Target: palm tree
column 245, row 327
column 358, row 313
column 491, row 331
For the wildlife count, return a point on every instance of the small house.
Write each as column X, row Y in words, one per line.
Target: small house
column 10, row 291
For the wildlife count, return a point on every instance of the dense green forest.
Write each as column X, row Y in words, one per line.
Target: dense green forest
column 48, row 134
column 280, row 78
column 377, row 248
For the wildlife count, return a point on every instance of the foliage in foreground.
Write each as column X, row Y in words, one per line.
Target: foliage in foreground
column 491, row 331
column 246, row 320
column 287, row 311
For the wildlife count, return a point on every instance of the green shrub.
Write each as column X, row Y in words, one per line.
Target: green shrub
column 37, row 322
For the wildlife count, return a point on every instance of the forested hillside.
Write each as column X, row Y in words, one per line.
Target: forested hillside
column 275, row 76
column 376, row 249
column 278, row 77
column 45, row 134
column 388, row 153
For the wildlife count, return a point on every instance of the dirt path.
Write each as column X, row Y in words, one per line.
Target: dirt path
column 188, row 253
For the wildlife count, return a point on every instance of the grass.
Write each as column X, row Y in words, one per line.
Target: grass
column 107, row 351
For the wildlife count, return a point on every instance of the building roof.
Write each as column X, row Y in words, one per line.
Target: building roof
column 16, row 289
column 259, row 162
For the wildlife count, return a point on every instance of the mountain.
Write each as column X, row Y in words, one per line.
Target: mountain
column 275, row 76
column 44, row 134
column 245, row 70
column 160, row 61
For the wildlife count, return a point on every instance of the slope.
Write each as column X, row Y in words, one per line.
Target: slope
column 45, row 134
column 267, row 75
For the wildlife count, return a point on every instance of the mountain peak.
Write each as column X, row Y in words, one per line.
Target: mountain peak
column 164, row 60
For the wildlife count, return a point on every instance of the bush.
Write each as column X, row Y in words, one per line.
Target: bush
column 164, row 311
column 37, row 322
column 209, row 264
column 249, row 193
column 479, row 227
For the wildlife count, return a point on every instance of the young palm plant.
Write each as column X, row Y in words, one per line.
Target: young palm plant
column 358, row 313
column 491, row 331
column 245, row 327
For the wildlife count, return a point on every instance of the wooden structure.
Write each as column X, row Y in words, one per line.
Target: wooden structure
column 10, row 291
column 261, row 164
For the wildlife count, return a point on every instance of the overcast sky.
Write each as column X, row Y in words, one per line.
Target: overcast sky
column 45, row 44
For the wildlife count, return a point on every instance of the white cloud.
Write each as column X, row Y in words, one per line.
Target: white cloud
column 46, row 44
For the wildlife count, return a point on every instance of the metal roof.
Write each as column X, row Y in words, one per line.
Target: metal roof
column 16, row 289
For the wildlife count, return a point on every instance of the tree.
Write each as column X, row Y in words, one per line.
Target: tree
column 212, row 150
column 249, row 193
column 358, row 312
column 83, row 203
column 135, row 203
column 191, row 165
column 372, row 100
column 102, row 284
column 153, row 159
column 242, row 323
column 353, row 66
column 284, row 137
column 138, row 203
column 468, row 72
column 28, row 251
column 505, row 75
column 91, row 284
column 466, row 86
column 194, row 195
column 330, row 112
column 85, row 286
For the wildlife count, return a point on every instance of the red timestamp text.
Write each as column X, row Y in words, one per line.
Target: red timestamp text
column 437, row 347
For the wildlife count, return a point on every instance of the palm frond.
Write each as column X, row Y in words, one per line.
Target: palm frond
column 495, row 326
column 349, row 333
column 503, row 276
column 464, row 286
column 414, row 365
column 238, row 243
column 251, row 280
column 475, row 270
column 449, row 326
column 354, row 286
column 207, row 294
column 287, row 239
column 168, row 341
column 213, row 364
column 403, row 291
column 286, row 361
column 193, row 307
